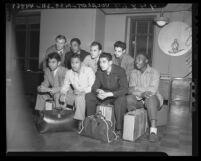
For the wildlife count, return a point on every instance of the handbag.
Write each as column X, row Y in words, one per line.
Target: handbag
column 55, row 120
column 97, row 127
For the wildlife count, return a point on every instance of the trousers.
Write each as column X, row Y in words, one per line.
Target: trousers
column 120, row 107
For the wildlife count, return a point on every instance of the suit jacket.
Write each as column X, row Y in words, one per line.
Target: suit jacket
column 54, row 49
column 54, row 81
column 127, row 62
column 68, row 55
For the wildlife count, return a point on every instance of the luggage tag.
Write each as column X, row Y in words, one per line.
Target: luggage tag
column 49, row 105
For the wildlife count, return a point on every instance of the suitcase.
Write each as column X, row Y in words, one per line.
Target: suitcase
column 135, row 124
column 55, row 121
column 108, row 112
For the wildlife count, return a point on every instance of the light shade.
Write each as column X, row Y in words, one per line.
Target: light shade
column 161, row 21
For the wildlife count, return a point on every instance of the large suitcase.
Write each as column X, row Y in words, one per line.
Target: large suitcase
column 55, row 121
column 135, row 124
column 107, row 110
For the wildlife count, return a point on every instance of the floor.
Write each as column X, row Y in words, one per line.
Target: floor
column 175, row 139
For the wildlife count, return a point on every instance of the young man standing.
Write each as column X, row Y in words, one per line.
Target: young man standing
column 81, row 78
column 110, row 86
column 60, row 47
column 53, row 80
column 122, row 59
column 75, row 49
column 92, row 59
column 143, row 90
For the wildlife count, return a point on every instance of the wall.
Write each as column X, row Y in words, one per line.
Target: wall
column 115, row 28
column 100, row 27
column 70, row 22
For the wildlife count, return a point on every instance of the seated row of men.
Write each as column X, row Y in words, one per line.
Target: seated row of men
column 85, row 80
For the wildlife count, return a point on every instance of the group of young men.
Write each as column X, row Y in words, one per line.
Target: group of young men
column 75, row 77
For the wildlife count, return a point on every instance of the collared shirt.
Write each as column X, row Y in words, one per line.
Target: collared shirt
column 82, row 81
column 115, row 82
column 54, row 72
column 69, row 54
column 146, row 81
column 126, row 62
column 89, row 62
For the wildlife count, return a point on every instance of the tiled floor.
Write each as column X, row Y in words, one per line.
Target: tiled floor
column 174, row 139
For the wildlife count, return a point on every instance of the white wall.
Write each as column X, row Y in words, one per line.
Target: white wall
column 115, row 27
column 100, row 27
column 114, row 31
column 69, row 22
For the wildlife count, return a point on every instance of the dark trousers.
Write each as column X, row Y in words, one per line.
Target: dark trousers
column 120, row 107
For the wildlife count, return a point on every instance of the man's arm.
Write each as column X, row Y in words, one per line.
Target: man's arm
column 153, row 85
column 97, row 83
column 91, row 80
column 66, row 83
column 123, row 84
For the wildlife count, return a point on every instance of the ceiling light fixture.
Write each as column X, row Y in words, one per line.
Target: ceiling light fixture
column 161, row 21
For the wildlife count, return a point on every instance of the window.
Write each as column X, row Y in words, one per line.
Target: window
column 140, row 35
column 27, row 33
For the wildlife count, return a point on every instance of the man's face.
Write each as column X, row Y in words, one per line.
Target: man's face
column 141, row 61
column 105, row 64
column 60, row 43
column 118, row 52
column 53, row 64
column 75, row 46
column 75, row 64
column 94, row 51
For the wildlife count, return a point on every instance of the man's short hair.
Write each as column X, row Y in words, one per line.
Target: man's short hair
column 120, row 44
column 108, row 56
column 76, row 40
column 95, row 43
column 60, row 37
column 142, row 52
column 54, row 55
column 75, row 56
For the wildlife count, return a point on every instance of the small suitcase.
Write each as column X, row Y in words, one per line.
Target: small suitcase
column 107, row 110
column 55, row 121
column 135, row 124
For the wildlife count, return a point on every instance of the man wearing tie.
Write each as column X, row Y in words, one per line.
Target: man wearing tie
column 60, row 47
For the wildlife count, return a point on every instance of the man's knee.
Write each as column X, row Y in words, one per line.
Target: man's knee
column 90, row 97
column 152, row 102
column 121, row 102
column 131, row 99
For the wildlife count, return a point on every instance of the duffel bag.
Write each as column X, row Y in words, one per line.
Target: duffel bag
column 97, row 127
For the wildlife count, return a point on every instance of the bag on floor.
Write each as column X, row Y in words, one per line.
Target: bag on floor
column 97, row 127
column 55, row 120
column 108, row 112
column 135, row 124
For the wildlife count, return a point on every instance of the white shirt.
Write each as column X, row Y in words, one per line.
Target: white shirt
column 82, row 81
column 55, row 71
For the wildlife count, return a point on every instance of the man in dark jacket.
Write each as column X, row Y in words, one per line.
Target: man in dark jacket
column 110, row 86
column 75, row 49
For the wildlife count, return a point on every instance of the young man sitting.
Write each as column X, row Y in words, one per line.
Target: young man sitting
column 110, row 86
column 143, row 90
column 75, row 49
column 81, row 78
column 92, row 59
column 122, row 59
column 53, row 80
